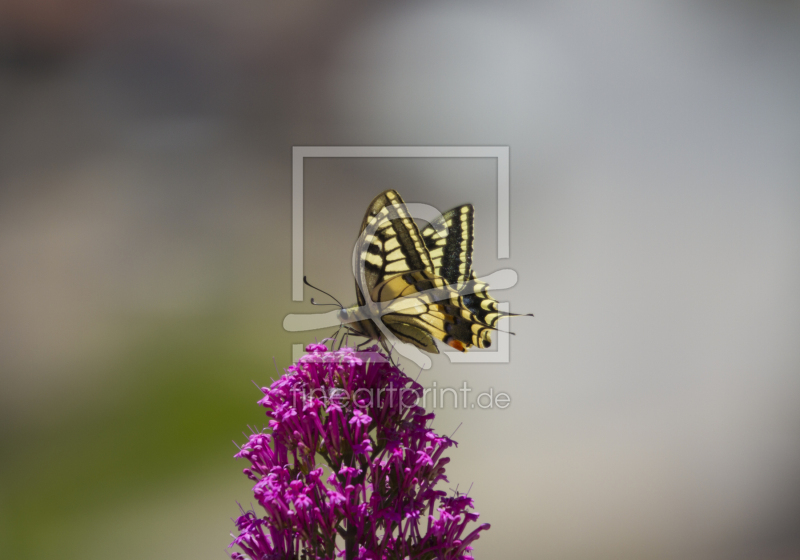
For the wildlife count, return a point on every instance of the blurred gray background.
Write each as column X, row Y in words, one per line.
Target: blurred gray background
column 145, row 259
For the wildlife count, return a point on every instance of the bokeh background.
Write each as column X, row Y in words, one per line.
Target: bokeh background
column 145, row 259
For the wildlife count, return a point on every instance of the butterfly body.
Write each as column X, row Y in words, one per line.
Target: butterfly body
column 420, row 284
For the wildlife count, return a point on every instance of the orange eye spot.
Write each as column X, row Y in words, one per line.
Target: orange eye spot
column 457, row 345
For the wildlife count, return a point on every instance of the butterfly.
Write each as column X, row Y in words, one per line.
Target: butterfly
column 420, row 284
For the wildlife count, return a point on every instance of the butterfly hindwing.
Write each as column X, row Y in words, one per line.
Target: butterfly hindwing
column 423, row 301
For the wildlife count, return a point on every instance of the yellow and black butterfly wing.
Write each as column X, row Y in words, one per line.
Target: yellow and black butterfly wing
column 451, row 255
column 392, row 243
column 390, row 248
column 422, row 301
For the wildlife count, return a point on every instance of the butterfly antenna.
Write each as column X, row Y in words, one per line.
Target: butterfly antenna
column 305, row 281
column 318, row 303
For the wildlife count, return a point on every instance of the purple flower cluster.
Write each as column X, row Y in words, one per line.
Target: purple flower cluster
column 348, row 468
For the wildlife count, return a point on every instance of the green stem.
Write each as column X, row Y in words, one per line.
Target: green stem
column 350, row 546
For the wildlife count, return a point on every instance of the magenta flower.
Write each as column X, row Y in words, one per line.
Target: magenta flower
column 348, row 468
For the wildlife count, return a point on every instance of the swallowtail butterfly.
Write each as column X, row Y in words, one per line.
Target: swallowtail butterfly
column 421, row 283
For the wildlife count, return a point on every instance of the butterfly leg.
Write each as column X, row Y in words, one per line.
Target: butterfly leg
column 347, row 332
column 346, row 337
column 389, row 353
column 332, row 338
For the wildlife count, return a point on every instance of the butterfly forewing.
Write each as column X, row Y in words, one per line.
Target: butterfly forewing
column 451, row 254
column 392, row 243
